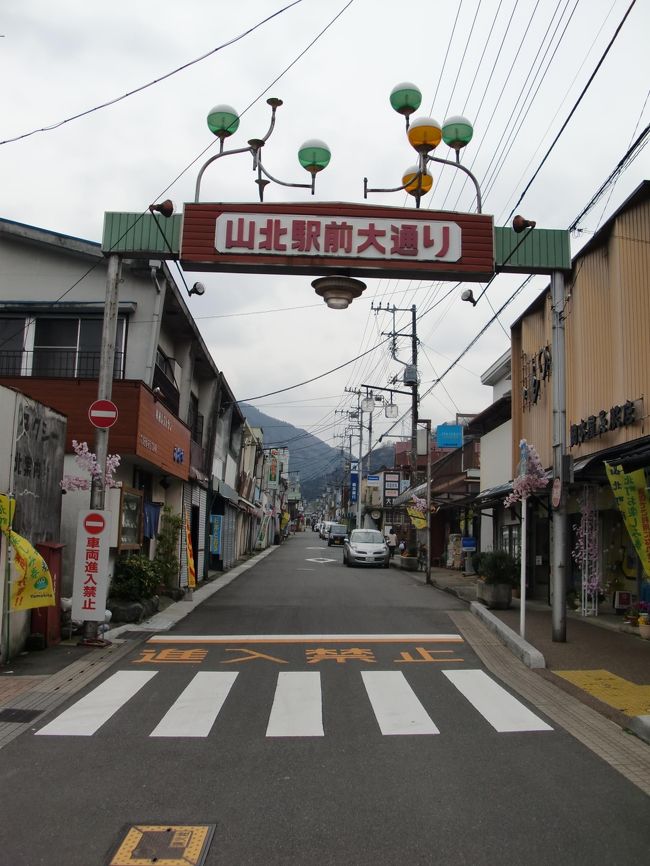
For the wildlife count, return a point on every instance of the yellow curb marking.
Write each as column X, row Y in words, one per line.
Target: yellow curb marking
column 630, row 698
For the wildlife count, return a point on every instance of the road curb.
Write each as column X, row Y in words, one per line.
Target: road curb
column 524, row 651
column 640, row 725
column 168, row 618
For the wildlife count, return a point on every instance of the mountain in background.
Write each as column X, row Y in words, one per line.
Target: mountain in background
column 318, row 464
column 310, row 456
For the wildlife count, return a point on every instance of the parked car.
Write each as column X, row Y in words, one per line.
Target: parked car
column 337, row 534
column 325, row 528
column 366, row 547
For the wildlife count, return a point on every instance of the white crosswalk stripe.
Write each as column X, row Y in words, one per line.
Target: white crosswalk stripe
column 195, row 711
column 504, row 712
column 297, row 708
column 395, row 705
column 85, row 717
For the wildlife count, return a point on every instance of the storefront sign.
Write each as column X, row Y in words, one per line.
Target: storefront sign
column 536, row 371
column 161, row 438
column 449, row 436
column 365, row 239
column 215, row 534
column 631, row 496
column 91, row 566
column 604, row 422
column 354, row 481
column 391, row 485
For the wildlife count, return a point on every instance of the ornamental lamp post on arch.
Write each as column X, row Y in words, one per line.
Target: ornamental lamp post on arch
column 223, row 121
column 338, row 291
column 424, row 135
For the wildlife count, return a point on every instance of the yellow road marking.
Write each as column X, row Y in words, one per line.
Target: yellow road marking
column 630, row 698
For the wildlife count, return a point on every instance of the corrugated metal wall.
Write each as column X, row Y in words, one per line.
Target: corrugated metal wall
column 607, row 325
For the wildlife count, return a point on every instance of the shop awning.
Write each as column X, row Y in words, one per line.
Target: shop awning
column 632, row 455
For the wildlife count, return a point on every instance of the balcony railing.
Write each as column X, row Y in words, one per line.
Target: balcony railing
column 63, row 363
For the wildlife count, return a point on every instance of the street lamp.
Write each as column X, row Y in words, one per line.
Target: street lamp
column 338, row 291
column 223, row 121
column 424, row 135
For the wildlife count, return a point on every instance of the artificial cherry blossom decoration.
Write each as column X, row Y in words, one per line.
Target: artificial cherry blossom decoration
column 87, row 462
column 533, row 479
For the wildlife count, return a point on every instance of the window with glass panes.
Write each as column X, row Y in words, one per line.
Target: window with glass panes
column 12, row 337
column 72, row 347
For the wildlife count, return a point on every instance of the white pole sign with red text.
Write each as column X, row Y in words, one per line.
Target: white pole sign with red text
column 91, row 566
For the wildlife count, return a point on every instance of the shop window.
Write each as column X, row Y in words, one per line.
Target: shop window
column 511, row 539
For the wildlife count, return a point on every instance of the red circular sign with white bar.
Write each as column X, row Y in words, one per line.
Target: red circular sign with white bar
column 94, row 523
column 102, row 413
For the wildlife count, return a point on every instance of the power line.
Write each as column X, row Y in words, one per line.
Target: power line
column 573, row 110
column 142, row 87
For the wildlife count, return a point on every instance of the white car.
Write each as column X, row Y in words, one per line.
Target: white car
column 325, row 528
column 366, row 547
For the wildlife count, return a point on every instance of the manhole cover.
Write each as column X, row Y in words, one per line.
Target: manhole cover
column 164, row 845
column 12, row 714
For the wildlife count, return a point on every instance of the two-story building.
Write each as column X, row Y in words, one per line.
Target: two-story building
column 178, row 430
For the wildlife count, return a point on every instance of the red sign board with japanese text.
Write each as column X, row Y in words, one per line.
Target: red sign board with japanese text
column 90, row 586
column 358, row 240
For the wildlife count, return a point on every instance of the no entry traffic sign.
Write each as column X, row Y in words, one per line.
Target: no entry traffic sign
column 90, row 580
column 94, row 523
column 102, row 413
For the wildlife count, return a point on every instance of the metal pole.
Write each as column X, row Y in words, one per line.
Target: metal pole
column 428, row 423
column 104, row 391
column 414, row 414
column 558, row 561
column 522, row 566
column 360, row 468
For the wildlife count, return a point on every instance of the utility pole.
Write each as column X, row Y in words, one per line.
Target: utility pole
column 410, row 380
column 104, row 392
column 558, row 376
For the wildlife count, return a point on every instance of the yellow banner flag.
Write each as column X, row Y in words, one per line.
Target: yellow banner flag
column 191, row 571
column 417, row 518
column 630, row 492
column 31, row 582
column 7, row 509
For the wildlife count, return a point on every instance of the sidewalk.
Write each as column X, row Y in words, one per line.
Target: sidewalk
column 603, row 662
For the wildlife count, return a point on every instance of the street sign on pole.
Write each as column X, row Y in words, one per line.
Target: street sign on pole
column 90, row 583
column 102, row 413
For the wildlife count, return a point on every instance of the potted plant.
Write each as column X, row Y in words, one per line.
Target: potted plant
column 497, row 571
column 644, row 620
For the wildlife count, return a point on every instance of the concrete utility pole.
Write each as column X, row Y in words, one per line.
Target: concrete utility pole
column 410, row 380
column 104, row 392
column 558, row 375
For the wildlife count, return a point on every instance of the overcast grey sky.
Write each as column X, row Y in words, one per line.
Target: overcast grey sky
column 515, row 69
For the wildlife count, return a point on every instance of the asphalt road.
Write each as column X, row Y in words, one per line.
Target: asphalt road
column 312, row 714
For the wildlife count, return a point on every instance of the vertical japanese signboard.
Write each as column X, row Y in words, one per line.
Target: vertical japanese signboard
column 391, row 486
column 91, row 566
column 354, row 481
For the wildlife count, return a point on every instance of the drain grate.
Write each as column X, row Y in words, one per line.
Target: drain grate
column 13, row 714
column 164, row 845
